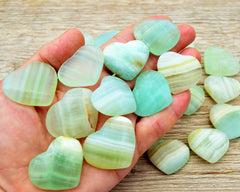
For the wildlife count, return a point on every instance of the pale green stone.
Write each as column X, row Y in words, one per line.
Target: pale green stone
column 126, row 60
column 218, row 61
column 169, row 155
column 182, row 72
column 197, row 100
column 83, row 68
column 226, row 118
column 59, row 167
column 159, row 35
column 89, row 40
column 209, row 144
column 33, row 85
column 222, row 89
column 113, row 97
column 152, row 93
column 101, row 39
column 111, row 147
column 73, row 116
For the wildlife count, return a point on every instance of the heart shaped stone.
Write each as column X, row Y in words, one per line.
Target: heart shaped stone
column 73, row 116
column 222, row 89
column 33, row 85
column 59, row 167
column 159, row 35
column 209, row 144
column 152, row 93
column 218, row 61
column 126, row 60
column 226, row 118
column 101, row 39
column 83, row 68
column 112, row 147
column 113, row 97
column 182, row 72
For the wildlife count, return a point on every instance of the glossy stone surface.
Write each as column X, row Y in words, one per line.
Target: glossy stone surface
column 222, row 89
column 33, row 85
column 89, row 40
column 209, row 144
column 169, row 155
column 101, row 39
column 152, row 93
column 73, row 116
column 159, row 35
column 218, row 61
column 226, row 118
column 197, row 100
column 83, row 68
column 111, row 147
column 59, row 167
column 113, row 97
column 182, row 72
column 126, row 60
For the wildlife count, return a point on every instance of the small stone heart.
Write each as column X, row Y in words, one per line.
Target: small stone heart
column 126, row 60
column 152, row 93
column 209, row 144
column 59, row 167
column 218, row 61
column 73, row 116
column 83, row 68
column 159, row 35
column 182, row 72
column 112, row 147
column 33, row 85
column 113, row 97
column 222, row 89
column 226, row 118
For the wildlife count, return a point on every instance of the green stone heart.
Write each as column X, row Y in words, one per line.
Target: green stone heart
column 217, row 61
column 181, row 71
column 83, row 68
column 226, row 118
column 59, row 167
column 113, row 97
column 33, row 85
column 152, row 93
column 101, row 39
column 112, row 147
column 159, row 35
column 126, row 60
column 73, row 116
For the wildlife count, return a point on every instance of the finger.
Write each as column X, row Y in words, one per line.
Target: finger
column 60, row 49
column 192, row 52
column 151, row 128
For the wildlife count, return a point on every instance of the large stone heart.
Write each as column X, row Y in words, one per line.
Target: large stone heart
column 59, row 167
column 152, row 93
column 112, row 147
column 182, row 72
column 226, row 118
column 33, row 85
column 83, row 68
column 126, row 60
column 113, row 97
column 73, row 116
column 159, row 35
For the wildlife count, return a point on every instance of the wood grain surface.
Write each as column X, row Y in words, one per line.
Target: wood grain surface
column 26, row 25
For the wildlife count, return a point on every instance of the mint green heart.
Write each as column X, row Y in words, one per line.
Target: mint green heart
column 152, row 93
column 126, row 60
column 59, row 167
column 33, row 85
column 112, row 147
column 159, row 35
column 113, row 97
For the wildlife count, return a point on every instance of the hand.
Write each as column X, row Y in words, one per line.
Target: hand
column 23, row 134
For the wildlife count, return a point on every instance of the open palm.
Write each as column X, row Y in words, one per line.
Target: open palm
column 23, row 134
